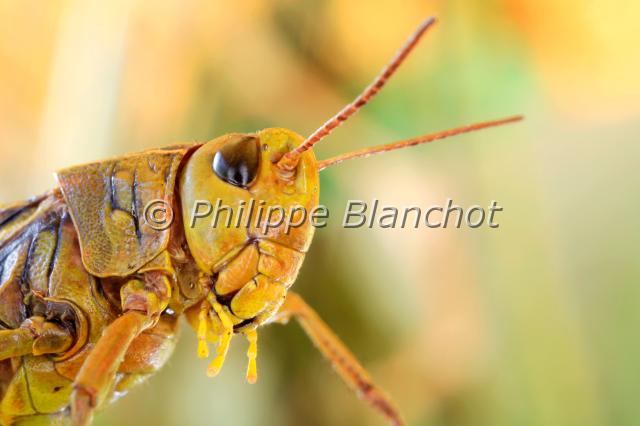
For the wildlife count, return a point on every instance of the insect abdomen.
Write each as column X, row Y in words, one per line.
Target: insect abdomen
column 42, row 274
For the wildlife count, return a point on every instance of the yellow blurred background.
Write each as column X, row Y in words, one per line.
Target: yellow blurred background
column 533, row 323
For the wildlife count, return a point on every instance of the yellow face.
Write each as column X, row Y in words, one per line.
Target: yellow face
column 220, row 181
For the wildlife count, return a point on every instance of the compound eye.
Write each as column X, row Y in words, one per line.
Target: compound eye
column 237, row 161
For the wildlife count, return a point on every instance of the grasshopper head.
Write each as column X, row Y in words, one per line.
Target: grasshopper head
column 247, row 227
column 222, row 178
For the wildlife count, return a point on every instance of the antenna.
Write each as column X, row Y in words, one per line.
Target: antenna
column 290, row 159
column 365, row 152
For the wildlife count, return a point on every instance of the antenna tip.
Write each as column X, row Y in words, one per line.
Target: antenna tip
column 431, row 20
column 515, row 118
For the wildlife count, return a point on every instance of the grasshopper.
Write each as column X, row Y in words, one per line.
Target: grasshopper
column 91, row 291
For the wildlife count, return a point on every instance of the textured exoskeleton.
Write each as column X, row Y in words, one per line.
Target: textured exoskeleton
column 80, row 256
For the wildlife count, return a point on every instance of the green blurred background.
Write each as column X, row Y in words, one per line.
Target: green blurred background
column 534, row 323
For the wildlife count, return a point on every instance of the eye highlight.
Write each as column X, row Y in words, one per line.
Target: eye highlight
column 238, row 160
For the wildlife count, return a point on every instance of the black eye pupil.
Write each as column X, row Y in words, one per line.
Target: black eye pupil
column 237, row 161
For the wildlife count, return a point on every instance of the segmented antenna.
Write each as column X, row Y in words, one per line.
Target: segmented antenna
column 290, row 159
column 365, row 152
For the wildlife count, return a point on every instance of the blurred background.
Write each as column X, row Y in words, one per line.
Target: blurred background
column 533, row 323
